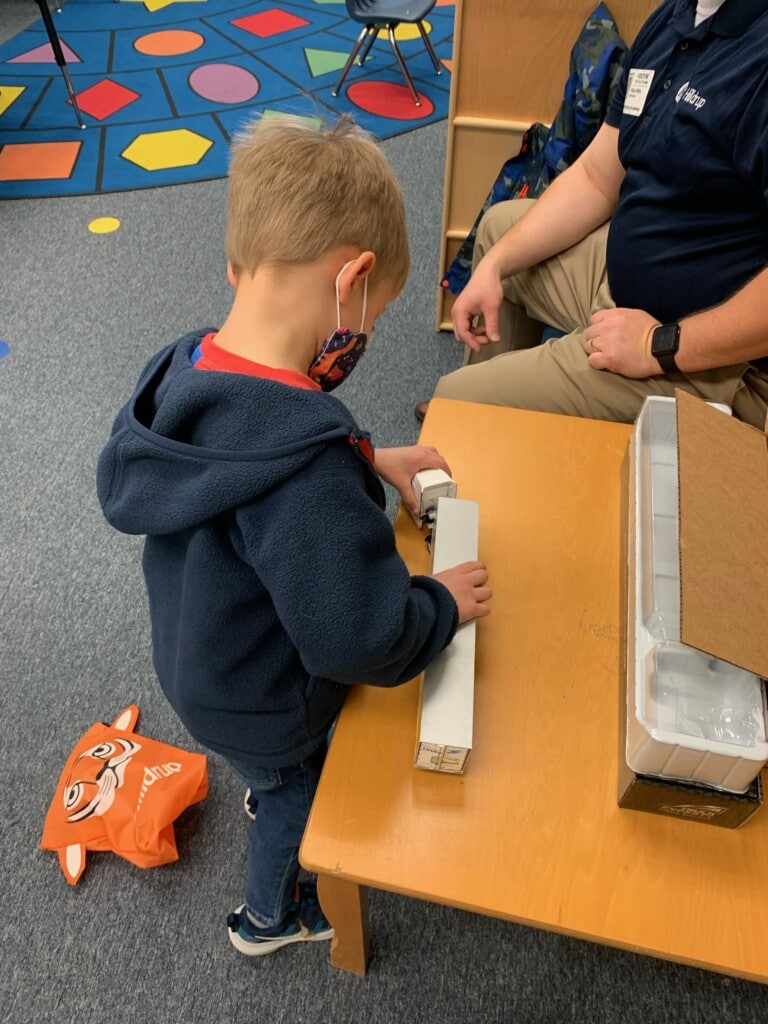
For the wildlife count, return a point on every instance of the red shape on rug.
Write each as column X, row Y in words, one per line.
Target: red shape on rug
column 270, row 23
column 387, row 99
column 105, row 98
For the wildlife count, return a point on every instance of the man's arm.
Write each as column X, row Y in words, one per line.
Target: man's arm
column 579, row 200
column 736, row 331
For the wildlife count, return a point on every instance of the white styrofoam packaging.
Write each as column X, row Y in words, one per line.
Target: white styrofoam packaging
column 694, row 718
column 448, row 687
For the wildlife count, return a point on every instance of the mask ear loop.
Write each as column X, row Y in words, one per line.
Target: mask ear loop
column 365, row 303
column 338, row 298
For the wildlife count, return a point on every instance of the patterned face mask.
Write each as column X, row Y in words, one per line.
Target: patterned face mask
column 341, row 353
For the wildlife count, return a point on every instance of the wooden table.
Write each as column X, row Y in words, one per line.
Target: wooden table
column 532, row 832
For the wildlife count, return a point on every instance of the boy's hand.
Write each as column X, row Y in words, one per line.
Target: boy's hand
column 398, row 466
column 467, row 584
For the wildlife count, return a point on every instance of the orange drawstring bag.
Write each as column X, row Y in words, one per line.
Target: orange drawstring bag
column 121, row 792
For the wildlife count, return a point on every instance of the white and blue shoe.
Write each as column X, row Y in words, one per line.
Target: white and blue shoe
column 304, row 922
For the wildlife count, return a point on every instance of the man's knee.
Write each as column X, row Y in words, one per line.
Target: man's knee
column 487, row 384
column 452, row 385
column 554, row 378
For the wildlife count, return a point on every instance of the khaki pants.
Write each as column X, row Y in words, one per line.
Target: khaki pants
column 563, row 292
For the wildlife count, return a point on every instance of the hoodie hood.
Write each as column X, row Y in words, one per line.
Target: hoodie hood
column 192, row 444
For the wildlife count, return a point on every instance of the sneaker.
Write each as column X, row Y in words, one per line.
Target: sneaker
column 250, row 803
column 246, row 937
column 311, row 913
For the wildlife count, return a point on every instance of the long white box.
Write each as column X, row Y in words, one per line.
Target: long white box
column 448, row 686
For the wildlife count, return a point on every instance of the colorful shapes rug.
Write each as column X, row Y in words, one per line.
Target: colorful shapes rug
column 162, row 86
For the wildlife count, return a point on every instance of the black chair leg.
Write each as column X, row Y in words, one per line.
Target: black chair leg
column 403, row 68
column 430, row 50
column 351, row 59
column 58, row 53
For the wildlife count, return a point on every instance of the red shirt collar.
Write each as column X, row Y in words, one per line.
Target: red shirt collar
column 210, row 356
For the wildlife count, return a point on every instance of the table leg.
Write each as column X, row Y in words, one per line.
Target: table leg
column 345, row 904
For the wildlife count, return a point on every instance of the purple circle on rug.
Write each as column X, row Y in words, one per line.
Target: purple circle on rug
column 224, row 83
column 5, row 348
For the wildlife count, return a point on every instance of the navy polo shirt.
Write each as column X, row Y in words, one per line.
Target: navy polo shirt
column 691, row 225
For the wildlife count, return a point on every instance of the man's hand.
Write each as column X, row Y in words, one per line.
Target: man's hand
column 619, row 340
column 482, row 298
column 398, row 466
column 467, row 584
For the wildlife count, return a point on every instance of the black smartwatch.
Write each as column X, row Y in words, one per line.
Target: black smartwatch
column 664, row 345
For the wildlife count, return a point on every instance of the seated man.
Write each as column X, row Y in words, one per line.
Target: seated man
column 650, row 252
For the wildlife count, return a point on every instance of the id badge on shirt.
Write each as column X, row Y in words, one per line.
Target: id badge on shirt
column 638, row 85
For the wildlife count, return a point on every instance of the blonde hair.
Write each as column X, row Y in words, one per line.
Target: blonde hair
column 296, row 192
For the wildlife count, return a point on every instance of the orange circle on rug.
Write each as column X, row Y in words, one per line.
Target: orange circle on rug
column 169, row 43
column 387, row 99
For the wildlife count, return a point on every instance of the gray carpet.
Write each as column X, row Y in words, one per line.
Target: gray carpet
column 82, row 313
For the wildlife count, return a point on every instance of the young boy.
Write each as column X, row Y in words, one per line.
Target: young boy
column 270, row 564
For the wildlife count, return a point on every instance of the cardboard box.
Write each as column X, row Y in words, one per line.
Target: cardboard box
column 446, row 708
column 697, row 718
column 723, row 557
column 677, row 799
column 690, row 803
column 723, row 479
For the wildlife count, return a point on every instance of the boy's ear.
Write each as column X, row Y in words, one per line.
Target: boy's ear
column 231, row 275
column 356, row 272
column 364, row 264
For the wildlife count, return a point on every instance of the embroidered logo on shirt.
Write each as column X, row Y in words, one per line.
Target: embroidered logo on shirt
column 688, row 94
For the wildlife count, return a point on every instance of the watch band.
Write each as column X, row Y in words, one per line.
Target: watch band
column 666, row 362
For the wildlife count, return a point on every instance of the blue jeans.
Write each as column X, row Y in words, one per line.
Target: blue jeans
column 284, row 797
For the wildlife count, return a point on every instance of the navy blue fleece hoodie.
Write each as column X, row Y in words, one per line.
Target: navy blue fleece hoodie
column 271, row 567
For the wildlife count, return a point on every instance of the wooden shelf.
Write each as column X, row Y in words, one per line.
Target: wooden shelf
column 510, row 65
